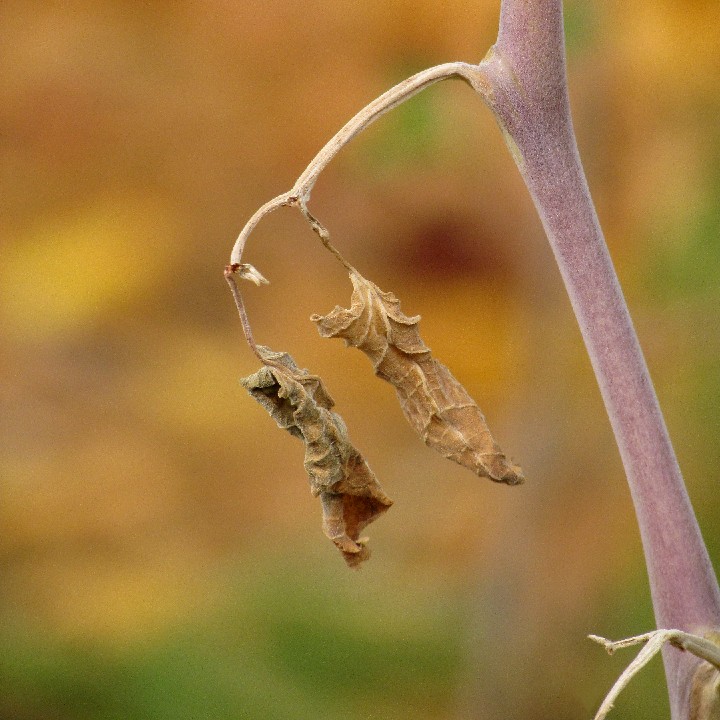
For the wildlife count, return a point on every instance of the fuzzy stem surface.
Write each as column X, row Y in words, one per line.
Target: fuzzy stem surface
column 527, row 73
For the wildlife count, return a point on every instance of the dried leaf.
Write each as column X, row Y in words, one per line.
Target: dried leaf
column 705, row 688
column 436, row 405
column 350, row 494
column 705, row 693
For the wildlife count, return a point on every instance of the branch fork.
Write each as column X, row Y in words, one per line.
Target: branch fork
column 704, row 692
column 299, row 195
column 433, row 401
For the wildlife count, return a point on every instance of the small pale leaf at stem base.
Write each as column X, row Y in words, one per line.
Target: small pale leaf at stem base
column 705, row 693
column 435, row 404
column 350, row 495
column 705, row 688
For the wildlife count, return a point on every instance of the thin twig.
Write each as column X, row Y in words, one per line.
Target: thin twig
column 300, row 192
column 322, row 232
column 695, row 644
column 230, row 271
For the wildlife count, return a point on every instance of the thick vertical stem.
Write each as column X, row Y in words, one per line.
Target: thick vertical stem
column 529, row 97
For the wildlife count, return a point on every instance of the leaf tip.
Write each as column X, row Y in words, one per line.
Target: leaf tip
column 513, row 475
column 248, row 272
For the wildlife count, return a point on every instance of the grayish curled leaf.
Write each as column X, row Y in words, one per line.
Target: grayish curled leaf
column 350, row 495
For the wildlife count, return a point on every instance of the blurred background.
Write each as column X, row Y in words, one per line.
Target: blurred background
column 161, row 554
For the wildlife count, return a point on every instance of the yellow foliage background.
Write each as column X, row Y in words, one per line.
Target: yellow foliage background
column 161, row 555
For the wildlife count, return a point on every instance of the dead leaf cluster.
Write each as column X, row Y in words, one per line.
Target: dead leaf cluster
column 350, row 495
column 435, row 404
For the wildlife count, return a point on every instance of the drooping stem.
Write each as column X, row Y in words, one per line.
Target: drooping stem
column 529, row 97
column 299, row 194
column 230, row 271
column 400, row 93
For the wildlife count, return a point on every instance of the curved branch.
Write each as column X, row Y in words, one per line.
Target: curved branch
column 300, row 192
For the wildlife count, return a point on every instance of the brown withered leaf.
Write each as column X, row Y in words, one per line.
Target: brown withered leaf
column 350, row 495
column 436, row 405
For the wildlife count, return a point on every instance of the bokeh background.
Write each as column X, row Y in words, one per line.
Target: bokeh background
column 161, row 556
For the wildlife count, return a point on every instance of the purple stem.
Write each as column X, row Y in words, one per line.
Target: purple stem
column 526, row 69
